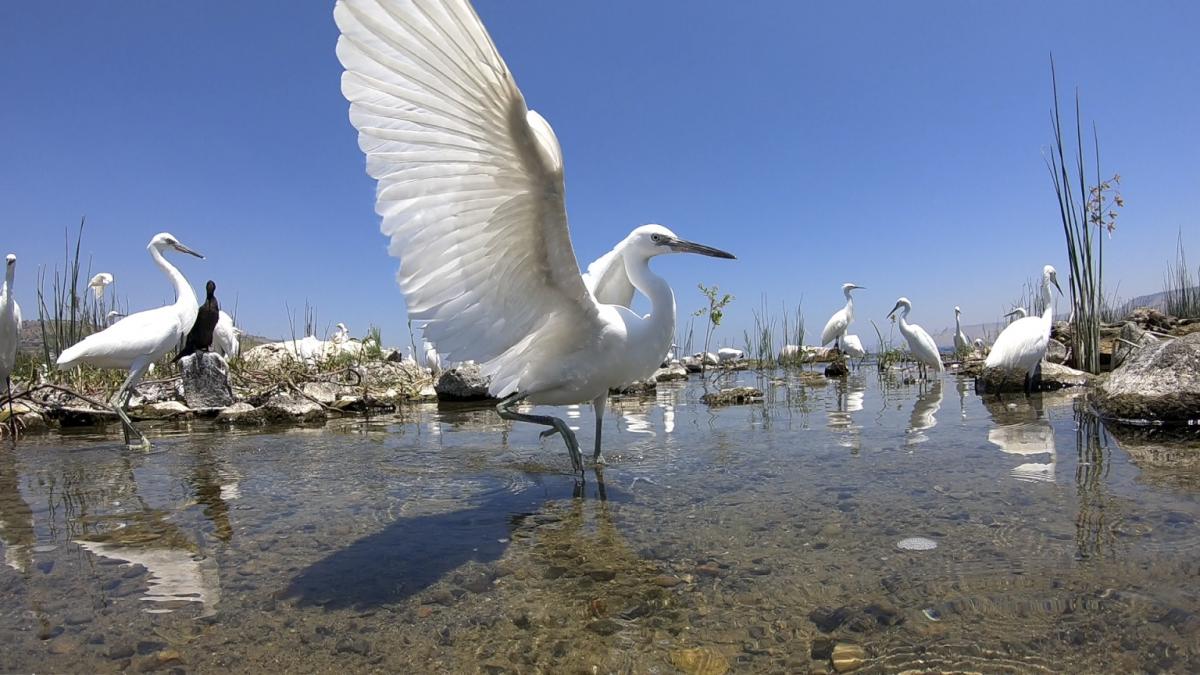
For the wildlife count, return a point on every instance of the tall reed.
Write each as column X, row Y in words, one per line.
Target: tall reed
column 1179, row 286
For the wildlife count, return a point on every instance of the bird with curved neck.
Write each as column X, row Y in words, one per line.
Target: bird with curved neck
column 472, row 195
column 1022, row 345
column 962, row 343
column 839, row 323
column 138, row 340
column 920, row 343
column 10, row 332
column 200, row 337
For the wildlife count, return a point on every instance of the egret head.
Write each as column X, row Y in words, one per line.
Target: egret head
column 652, row 240
column 165, row 240
column 342, row 327
column 957, row 311
column 902, row 303
column 846, row 288
column 1018, row 312
column 1050, row 276
column 10, row 263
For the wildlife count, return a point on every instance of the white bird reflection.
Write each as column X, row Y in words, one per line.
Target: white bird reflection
column 924, row 414
column 1028, row 439
column 173, row 574
column 851, row 395
column 637, row 423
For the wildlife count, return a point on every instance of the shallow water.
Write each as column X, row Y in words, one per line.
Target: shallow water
column 444, row 540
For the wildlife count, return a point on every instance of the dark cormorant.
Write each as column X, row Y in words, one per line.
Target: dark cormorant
column 201, row 335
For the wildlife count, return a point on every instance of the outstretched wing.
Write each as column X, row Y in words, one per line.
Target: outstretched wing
column 608, row 280
column 470, row 185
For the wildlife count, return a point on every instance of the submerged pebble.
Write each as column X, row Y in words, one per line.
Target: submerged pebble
column 916, row 544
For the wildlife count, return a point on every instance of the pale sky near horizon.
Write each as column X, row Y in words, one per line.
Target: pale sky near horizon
column 895, row 145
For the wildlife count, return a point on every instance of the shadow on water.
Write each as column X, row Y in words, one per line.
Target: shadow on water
column 414, row 553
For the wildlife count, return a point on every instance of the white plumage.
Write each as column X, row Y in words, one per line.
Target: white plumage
column 471, row 194
column 837, row 325
column 433, row 360
column 1022, row 344
column 920, row 343
column 138, row 340
column 99, row 282
column 730, row 354
column 225, row 337
column 10, row 329
column 961, row 342
column 853, row 347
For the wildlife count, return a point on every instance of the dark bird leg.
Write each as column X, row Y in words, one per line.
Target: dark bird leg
column 505, row 409
column 121, row 400
column 598, row 405
column 12, row 417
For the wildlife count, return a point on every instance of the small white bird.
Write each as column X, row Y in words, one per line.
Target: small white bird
column 225, row 337
column 472, row 196
column 138, row 340
column 837, row 325
column 1017, row 314
column 922, row 346
column 979, row 345
column 853, row 347
column 1022, row 344
column 961, row 342
column 99, row 282
column 342, row 334
column 10, row 331
column 730, row 354
column 790, row 352
column 432, row 360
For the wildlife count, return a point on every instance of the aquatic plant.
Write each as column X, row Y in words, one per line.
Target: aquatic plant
column 1180, row 287
column 765, row 342
column 715, row 311
column 1086, row 212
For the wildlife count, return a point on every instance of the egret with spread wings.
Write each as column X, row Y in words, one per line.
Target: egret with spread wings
column 470, row 190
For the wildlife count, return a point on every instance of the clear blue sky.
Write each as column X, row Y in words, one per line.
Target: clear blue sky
column 896, row 145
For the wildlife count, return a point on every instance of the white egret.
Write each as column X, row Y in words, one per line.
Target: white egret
column 342, row 334
column 961, row 342
column 471, row 194
column 730, row 354
column 979, row 345
column 837, row 325
column 432, row 360
column 10, row 331
column 1016, row 314
column 138, row 340
column 99, row 282
column 1022, row 344
column 853, row 347
column 225, row 337
column 922, row 346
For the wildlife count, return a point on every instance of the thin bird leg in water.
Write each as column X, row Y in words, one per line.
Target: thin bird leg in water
column 598, row 405
column 121, row 400
column 12, row 418
column 504, row 409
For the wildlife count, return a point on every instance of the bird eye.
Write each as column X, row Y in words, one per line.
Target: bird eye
column 655, row 238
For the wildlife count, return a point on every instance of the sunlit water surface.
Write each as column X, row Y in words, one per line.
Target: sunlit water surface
column 445, row 540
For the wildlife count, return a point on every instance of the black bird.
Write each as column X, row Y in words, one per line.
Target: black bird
column 201, row 335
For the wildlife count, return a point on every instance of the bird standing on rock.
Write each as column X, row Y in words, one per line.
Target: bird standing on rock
column 840, row 322
column 200, row 337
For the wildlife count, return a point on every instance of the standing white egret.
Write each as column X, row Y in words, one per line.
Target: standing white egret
column 135, row 342
column 961, row 342
column 729, row 354
column 853, row 347
column 471, row 194
column 1022, row 344
column 99, row 282
column 922, row 346
column 837, row 325
column 225, row 337
column 10, row 331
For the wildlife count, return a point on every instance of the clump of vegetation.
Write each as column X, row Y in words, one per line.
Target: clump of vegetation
column 1180, row 287
column 1087, row 213
column 715, row 311
column 763, row 344
column 887, row 355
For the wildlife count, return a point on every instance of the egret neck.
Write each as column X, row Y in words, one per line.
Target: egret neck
column 658, row 326
column 185, row 297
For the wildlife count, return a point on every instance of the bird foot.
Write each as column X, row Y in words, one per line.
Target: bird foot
column 599, row 460
column 547, row 433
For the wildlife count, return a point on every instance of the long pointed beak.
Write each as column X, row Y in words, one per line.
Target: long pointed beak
column 893, row 310
column 1055, row 282
column 684, row 246
column 183, row 249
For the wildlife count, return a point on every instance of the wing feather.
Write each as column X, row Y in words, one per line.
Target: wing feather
column 608, row 280
column 470, row 185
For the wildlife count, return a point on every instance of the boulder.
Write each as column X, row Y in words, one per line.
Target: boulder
column 205, row 381
column 465, row 382
column 1130, row 339
column 1056, row 352
column 1050, row 376
column 154, row 392
column 1159, row 381
column 733, row 396
column 672, row 371
column 289, row 408
column 1149, row 318
column 240, row 413
column 837, row 369
column 321, row 392
column 648, row 386
column 164, row 410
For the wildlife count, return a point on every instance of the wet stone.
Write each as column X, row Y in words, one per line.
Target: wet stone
column 847, row 657
column 120, row 652
column 352, row 646
column 604, row 627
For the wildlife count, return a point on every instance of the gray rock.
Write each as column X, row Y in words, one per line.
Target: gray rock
column 1056, row 352
column 164, row 410
column 637, row 387
column 157, row 392
column 1051, row 376
column 1160, row 381
column 288, row 408
column 239, row 413
column 672, row 371
column 206, row 381
column 1130, row 339
column 322, row 392
column 463, row 383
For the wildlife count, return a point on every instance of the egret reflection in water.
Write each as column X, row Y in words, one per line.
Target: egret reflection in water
column 16, row 518
column 1022, row 429
column 924, row 414
column 849, row 399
